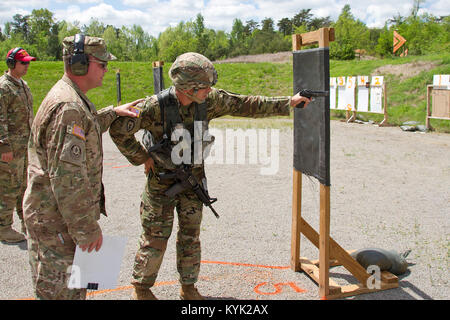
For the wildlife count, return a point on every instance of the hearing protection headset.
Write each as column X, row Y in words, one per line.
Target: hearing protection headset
column 79, row 61
column 10, row 59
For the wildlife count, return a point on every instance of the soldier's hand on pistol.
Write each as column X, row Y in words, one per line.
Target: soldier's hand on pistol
column 297, row 99
column 149, row 164
column 7, row 156
column 128, row 110
column 93, row 245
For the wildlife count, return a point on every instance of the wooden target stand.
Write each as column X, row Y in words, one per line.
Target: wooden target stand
column 330, row 252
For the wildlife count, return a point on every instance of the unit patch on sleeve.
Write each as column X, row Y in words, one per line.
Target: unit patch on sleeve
column 78, row 131
column 74, row 147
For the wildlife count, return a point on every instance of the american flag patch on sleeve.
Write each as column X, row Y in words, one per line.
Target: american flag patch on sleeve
column 78, row 131
column 136, row 110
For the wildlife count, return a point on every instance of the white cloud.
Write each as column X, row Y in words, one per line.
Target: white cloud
column 140, row 3
column 156, row 15
column 74, row 2
column 105, row 13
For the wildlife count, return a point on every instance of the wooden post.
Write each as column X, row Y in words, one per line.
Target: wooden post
column 324, row 242
column 158, row 78
column 296, row 219
column 427, row 120
column 385, row 119
column 118, row 88
column 296, row 42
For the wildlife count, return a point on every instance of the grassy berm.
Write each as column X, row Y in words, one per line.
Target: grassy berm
column 406, row 80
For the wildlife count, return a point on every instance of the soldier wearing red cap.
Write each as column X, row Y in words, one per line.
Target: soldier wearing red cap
column 16, row 117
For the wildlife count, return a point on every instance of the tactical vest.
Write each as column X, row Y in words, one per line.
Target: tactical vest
column 171, row 121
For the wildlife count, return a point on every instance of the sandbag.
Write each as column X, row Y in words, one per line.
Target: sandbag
column 386, row 260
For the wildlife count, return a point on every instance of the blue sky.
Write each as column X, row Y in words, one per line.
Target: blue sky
column 156, row 15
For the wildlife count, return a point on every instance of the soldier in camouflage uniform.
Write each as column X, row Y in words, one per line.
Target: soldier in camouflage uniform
column 65, row 194
column 16, row 117
column 193, row 76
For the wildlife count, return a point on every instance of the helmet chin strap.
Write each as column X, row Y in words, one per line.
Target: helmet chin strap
column 192, row 97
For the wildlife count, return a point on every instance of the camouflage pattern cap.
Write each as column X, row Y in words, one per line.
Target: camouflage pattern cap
column 92, row 45
column 192, row 70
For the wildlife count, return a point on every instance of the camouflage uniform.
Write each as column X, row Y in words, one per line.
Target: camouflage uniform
column 65, row 195
column 16, row 117
column 157, row 210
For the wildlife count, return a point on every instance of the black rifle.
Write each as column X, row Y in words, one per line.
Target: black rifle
column 185, row 180
column 311, row 94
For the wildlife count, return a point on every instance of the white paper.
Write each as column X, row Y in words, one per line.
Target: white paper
column 341, row 93
column 98, row 268
column 333, row 93
column 350, row 94
column 376, row 94
column 363, row 94
column 441, row 81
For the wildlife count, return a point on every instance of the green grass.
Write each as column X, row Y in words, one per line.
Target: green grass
column 406, row 98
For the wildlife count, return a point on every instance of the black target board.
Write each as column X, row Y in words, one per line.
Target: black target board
column 311, row 69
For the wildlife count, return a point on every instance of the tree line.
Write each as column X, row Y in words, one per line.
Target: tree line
column 42, row 35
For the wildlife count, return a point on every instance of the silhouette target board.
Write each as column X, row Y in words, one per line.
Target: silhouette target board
column 311, row 70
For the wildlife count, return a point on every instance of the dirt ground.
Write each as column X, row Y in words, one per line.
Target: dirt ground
column 281, row 57
column 389, row 189
column 403, row 71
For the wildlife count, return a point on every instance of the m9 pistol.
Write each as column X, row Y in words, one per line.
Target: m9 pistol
column 311, row 94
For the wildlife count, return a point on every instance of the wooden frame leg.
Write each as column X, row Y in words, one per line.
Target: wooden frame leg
column 296, row 220
column 324, row 242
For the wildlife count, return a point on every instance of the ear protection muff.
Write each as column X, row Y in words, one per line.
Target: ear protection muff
column 79, row 62
column 10, row 59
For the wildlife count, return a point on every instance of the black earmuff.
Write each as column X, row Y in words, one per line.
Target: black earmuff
column 79, row 62
column 10, row 59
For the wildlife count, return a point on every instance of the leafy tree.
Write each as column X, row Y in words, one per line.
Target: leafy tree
column 20, row 27
column 219, row 47
column 317, row 23
column 42, row 35
column 250, row 26
column 302, row 18
column 177, row 40
column 66, row 29
column 238, row 39
column 201, row 34
column 351, row 34
column 267, row 25
column 384, row 45
column 285, row 26
column 54, row 48
column 7, row 29
column 112, row 38
column 40, row 21
column 95, row 28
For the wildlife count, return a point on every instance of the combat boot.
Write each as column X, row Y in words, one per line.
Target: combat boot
column 8, row 234
column 190, row 292
column 143, row 294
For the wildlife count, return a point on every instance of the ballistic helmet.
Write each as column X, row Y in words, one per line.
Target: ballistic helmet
column 192, row 70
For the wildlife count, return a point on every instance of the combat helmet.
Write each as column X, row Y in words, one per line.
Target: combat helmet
column 192, row 70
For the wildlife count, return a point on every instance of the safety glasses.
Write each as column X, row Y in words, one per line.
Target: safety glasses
column 104, row 64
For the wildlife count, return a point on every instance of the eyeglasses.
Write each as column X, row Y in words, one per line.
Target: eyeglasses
column 24, row 62
column 104, row 64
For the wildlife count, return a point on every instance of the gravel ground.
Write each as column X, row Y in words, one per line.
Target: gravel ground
column 390, row 189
